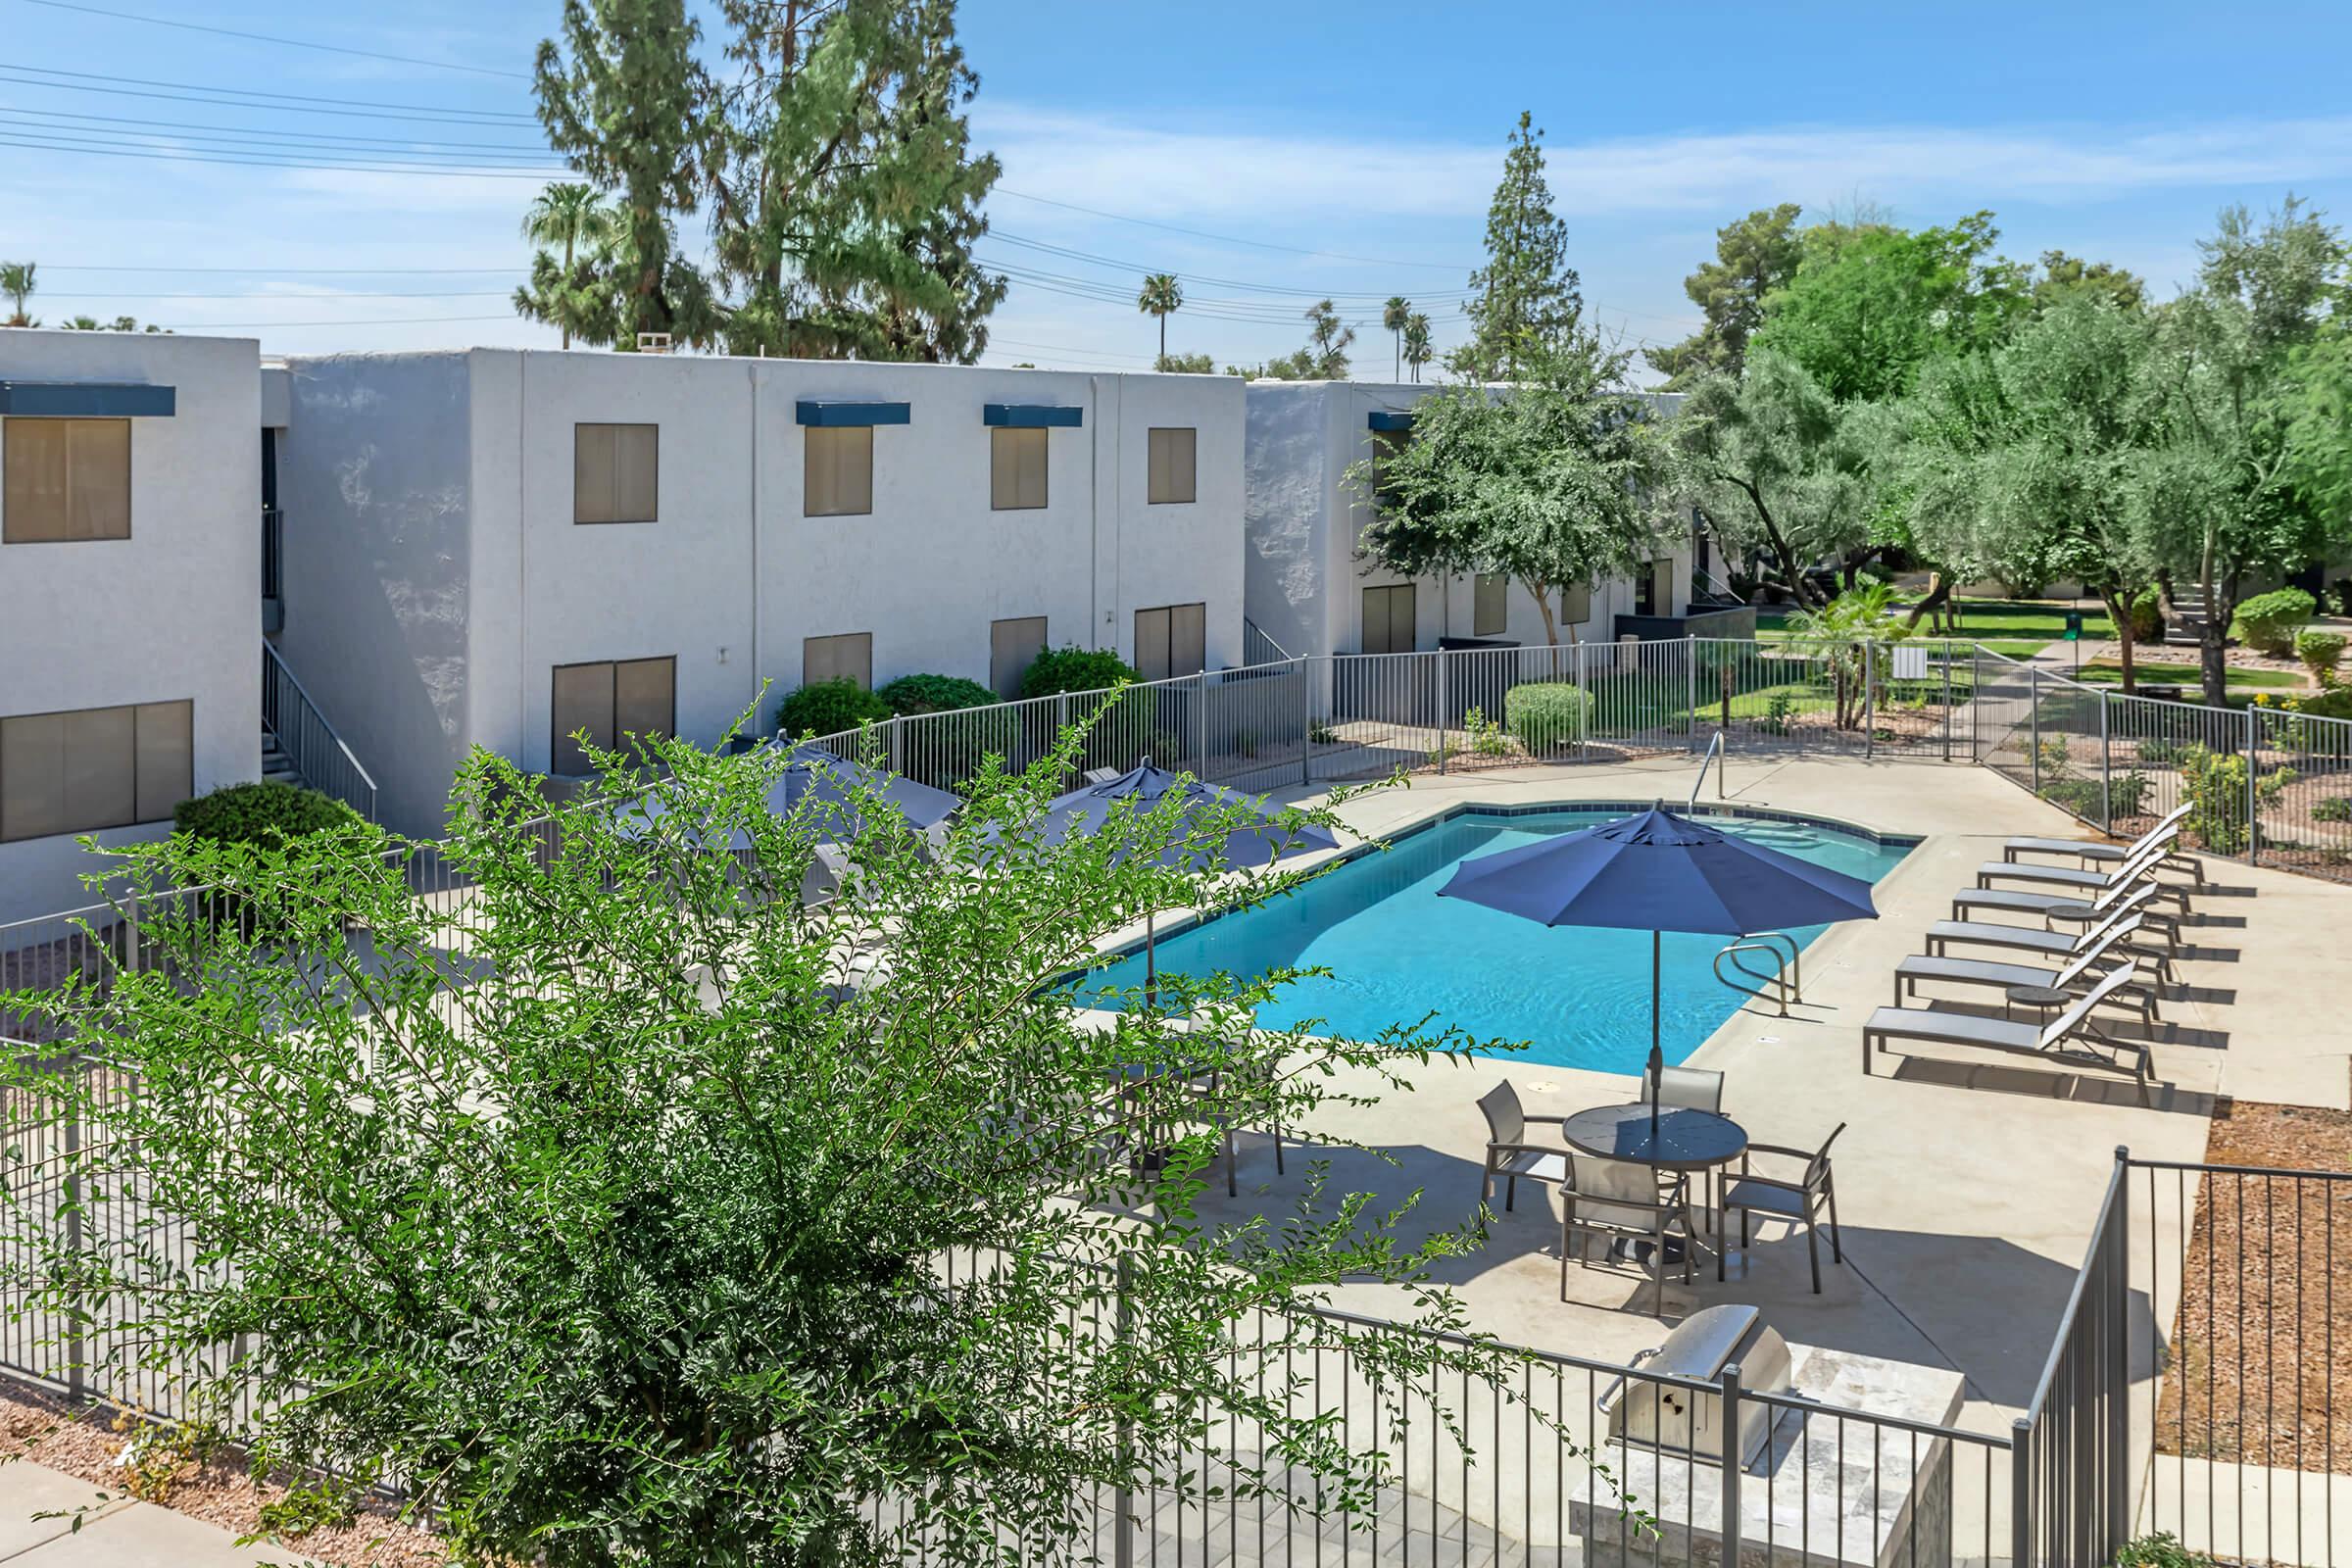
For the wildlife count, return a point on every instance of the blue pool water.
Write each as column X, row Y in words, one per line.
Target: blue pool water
column 1580, row 998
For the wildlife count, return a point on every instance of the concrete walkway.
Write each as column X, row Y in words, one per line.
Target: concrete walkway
column 114, row 1531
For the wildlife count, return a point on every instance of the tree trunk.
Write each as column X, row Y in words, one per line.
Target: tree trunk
column 2118, row 609
column 1551, row 628
column 1164, row 334
column 1940, row 594
column 2213, row 638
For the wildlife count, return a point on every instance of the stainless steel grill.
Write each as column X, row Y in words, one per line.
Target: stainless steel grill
column 1676, row 1419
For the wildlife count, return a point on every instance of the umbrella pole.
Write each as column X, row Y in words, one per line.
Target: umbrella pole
column 1151, row 965
column 1658, row 1056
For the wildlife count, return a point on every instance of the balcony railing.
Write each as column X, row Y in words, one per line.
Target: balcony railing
column 309, row 741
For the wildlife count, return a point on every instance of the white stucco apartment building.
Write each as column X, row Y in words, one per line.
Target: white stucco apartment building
column 1307, row 591
column 498, row 548
column 129, row 555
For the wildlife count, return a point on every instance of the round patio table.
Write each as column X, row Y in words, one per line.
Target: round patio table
column 1687, row 1139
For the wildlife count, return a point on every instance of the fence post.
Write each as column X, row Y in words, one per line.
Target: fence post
column 2106, row 772
column 897, row 744
column 1307, row 721
column 2034, row 716
column 2119, row 1369
column 1947, row 704
column 1731, row 1458
column 1590, row 706
column 2253, row 798
column 1200, row 725
column 1870, row 699
column 2021, row 1495
column 1444, row 710
column 1123, row 1498
column 1975, row 703
column 76, row 1346
column 1690, row 702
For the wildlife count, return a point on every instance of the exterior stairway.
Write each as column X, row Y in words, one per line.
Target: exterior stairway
column 2186, row 622
column 276, row 765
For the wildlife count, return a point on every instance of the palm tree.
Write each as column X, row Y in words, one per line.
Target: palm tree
column 1416, row 342
column 80, row 323
column 1393, row 316
column 1163, row 295
column 574, row 216
column 15, row 282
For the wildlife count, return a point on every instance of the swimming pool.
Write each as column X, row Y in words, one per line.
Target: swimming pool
column 1579, row 996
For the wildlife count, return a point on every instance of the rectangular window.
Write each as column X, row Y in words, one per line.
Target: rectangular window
column 1012, row 647
column 837, row 478
column 1172, row 450
column 848, row 656
column 1645, row 588
column 98, row 767
column 66, row 480
column 1171, row 640
column 1388, row 616
column 1576, row 603
column 1385, row 444
column 611, row 700
column 615, row 473
column 1016, row 470
column 1490, row 605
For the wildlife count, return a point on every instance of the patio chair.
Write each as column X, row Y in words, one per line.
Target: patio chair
column 2138, row 897
column 2002, row 976
column 1692, row 1088
column 1802, row 1200
column 1510, row 1154
column 2058, row 945
column 1206, row 1085
column 1936, row 1027
column 2141, row 869
column 1618, row 1201
column 2088, row 852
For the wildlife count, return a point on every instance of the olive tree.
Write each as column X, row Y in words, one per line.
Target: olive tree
column 632, row 1209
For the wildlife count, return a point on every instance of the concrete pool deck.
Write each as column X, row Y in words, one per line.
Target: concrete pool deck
column 1967, row 1184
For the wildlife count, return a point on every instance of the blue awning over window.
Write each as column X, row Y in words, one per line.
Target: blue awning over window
column 87, row 400
column 1389, row 419
column 1031, row 415
column 840, row 413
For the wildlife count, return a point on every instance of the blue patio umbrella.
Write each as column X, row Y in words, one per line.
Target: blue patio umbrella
column 1085, row 811
column 813, row 773
column 1655, row 871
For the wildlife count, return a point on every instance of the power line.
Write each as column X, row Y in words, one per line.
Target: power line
column 387, row 321
column 299, row 138
column 470, row 172
column 298, row 299
column 289, row 44
column 244, row 98
column 1026, row 244
column 1230, row 239
column 298, row 271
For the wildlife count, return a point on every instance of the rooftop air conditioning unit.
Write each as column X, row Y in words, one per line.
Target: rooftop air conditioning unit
column 653, row 342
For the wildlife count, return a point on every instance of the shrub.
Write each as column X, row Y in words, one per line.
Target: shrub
column 2333, row 703
column 1776, row 708
column 2147, row 615
column 828, row 708
column 2332, row 809
column 1075, row 669
column 2127, row 792
column 2215, row 784
column 2267, row 622
column 259, row 814
column 2160, row 1551
column 1487, row 738
column 934, row 693
column 2320, row 651
column 1544, row 714
column 2341, row 589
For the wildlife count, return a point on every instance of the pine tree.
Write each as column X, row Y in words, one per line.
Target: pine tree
column 621, row 99
column 1527, row 297
column 1752, row 256
column 845, row 194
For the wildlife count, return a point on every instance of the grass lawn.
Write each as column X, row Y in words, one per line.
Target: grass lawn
column 2106, row 674
column 2016, row 627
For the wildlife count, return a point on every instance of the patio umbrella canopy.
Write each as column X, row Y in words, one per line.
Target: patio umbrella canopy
column 813, row 773
column 1085, row 811
column 1655, row 871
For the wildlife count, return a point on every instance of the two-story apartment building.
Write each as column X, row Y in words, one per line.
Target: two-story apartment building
column 503, row 548
column 1309, row 593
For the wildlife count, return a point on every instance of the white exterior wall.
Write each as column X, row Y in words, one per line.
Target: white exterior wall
column 172, row 612
column 432, row 553
column 1305, row 582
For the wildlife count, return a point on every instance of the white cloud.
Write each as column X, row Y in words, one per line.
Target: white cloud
column 1233, row 176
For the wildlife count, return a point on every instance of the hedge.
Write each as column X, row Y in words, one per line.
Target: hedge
column 828, row 708
column 1544, row 714
column 259, row 814
column 1075, row 669
column 2267, row 622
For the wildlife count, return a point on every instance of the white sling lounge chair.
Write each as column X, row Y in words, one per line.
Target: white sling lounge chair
column 2142, row 868
column 2052, row 944
column 2087, row 852
column 2141, row 995
column 1936, row 1027
column 2050, row 906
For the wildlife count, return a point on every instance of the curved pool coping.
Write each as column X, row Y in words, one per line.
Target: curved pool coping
column 1458, row 809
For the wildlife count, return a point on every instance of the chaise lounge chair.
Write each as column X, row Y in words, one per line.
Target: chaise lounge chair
column 2087, row 852
column 2142, row 994
column 2137, row 896
column 2142, row 868
column 1936, row 1027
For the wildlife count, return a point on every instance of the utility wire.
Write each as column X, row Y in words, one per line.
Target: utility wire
column 246, row 98
column 386, row 321
column 462, row 170
column 289, row 43
column 1230, row 239
column 299, row 138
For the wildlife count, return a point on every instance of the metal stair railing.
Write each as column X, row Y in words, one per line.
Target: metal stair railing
column 1782, row 986
column 320, row 754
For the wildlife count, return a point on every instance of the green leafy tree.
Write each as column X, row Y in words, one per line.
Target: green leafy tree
column 2319, row 415
column 1393, row 318
column 2065, row 276
column 1557, row 483
column 17, row 282
column 2027, row 462
column 1526, row 302
column 844, row 191
column 82, row 323
column 120, row 324
column 1781, row 467
column 1840, row 634
column 1753, row 257
column 1870, row 304
column 2219, row 488
column 573, row 227
column 1186, row 363
column 1161, row 296
column 1417, row 349
column 675, row 1234
column 1323, row 358
column 622, row 98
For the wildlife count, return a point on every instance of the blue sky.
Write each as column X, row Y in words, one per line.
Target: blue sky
column 1368, row 133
